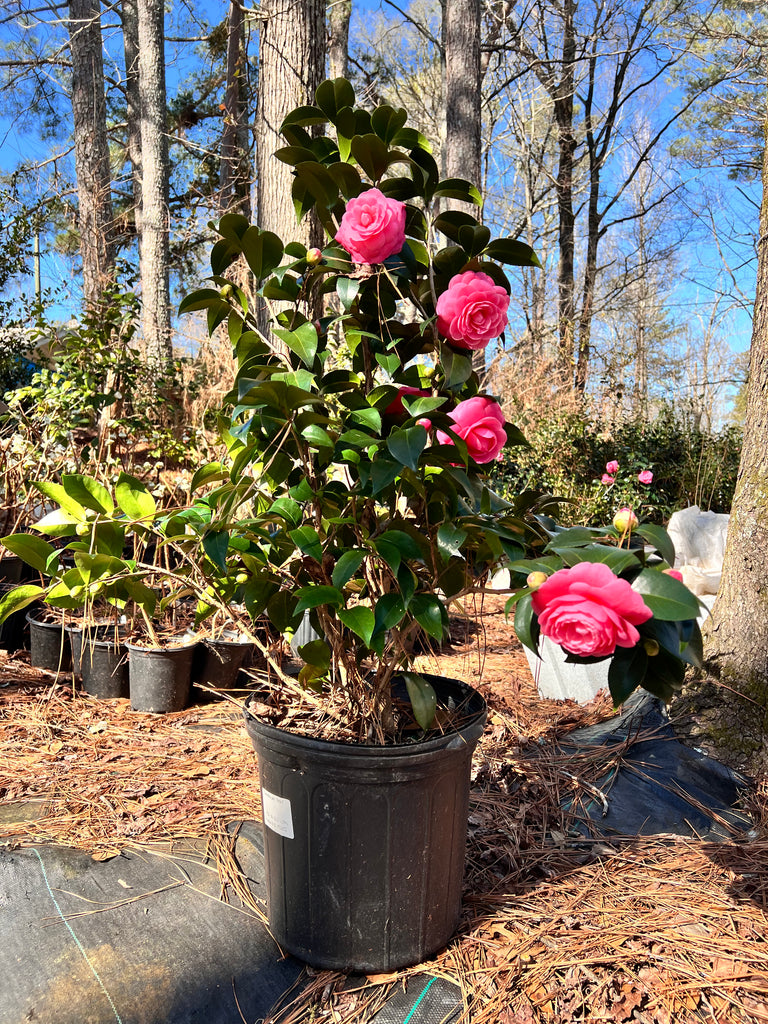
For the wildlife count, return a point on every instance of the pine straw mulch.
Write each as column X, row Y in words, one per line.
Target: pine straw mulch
column 556, row 926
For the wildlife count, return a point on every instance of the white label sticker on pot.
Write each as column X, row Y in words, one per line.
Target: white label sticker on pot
column 277, row 814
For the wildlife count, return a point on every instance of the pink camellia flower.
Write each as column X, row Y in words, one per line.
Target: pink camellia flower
column 675, row 574
column 588, row 611
column 480, row 422
column 472, row 310
column 607, row 480
column 625, row 519
column 396, row 407
column 612, row 467
column 373, row 227
column 645, row 477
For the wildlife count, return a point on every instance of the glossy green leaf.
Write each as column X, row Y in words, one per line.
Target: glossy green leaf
column 58, row 523
column 347, row 289
column 307, row 540
column 313, row 597
column 667, row 597
column 304, row 117
column 429, row 613
column 334, row 95
column 18, row 598
column 449, row 540
column 346, row 567
column 134, row 498
column 34, row 551
column 62, row 497
column 459, row 188
column 509, row 250
column 423, row 699
column 207, row 474
column 372, row 154
column 360, row 620
column 390, row 610
column 526, row 624
column 263, row 251
column 626, row 672
column 407, row 445
column 200, row 299
column 216, row 545
column 303, row 341
column 658, row 538
column 316, row 653
column 317, row 437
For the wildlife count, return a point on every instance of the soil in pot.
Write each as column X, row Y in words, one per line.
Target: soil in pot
column 218, row 661
column 364, row 845
column 49, row 646
column 160, row 677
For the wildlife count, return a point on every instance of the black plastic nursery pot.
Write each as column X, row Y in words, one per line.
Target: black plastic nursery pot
column 364, row 846
column 49, row 646
column 101, row 663
column 12, row 630
column 218, row 661
column 160, row 677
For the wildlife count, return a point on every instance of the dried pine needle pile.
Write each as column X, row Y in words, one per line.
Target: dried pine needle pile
column 555, row 927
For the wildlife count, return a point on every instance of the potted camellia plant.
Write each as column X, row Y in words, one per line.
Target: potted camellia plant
column 356, row 492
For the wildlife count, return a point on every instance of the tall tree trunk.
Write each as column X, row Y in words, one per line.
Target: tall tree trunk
column 339, row 13
column 291, row 66
column 94, row 178
column 736, row 651
column 130, row 21
column 154, row 256
column 235, row 169
column 563, row 112
column 463, row 119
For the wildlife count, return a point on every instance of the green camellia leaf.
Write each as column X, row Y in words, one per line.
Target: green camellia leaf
column 34, row 551
column 421, row 406
column 19, row 598
column 576, row 536
column 626, row 672
column 216, row 545
column 134, row 498
column 303, row 341
column 347, row 289
column 59, row 523
column 372, row 154
column 287, row 509
column 207, row 474
column 303, row 117
column 407, row 445
column 449, row 540
column 263, row 251
column 387, row 121
column 526, row 624
column 390, row 610
column 658, row 538
column 430, row 614
column 313, row 597
column 346, row 567
column 88, row 492
column 668, row 598
column 62, row 497
column 458, row 188
column 200, row 299
column 316, row 653
column 360, row 620
column 334, row 95
column 423, row 699
column 617, row 559
column 307, row 540
column 509, row 250
column 317, row 436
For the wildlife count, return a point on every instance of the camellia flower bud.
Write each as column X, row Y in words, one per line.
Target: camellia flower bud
column 674, row 573
column 651, row 647
column 535, row 579
column 625, row 519
column 427, row 424
column 314, row 256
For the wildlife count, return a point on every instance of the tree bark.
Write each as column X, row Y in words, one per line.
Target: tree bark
column 235, row 174
column 463, row 119
column 154, row 254
column 736, row 650
column 291, row 66
column 339, row 13
column 94, row 178
column 563, row 112
column 130, row 22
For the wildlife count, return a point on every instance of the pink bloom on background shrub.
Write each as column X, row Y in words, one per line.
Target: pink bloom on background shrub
column 645, row 477
column 607, row 480
column 588, row 611
column 480, row 422
column 396, row 407
column 473, row 310
column 373, row 227
column 612, row 467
